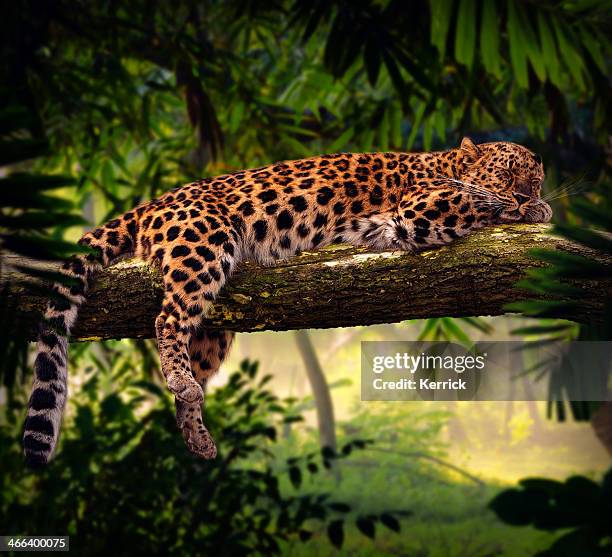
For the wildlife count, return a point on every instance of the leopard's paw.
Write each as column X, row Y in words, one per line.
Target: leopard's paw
column 185, row 388
column 203, row 446
column 196, row 436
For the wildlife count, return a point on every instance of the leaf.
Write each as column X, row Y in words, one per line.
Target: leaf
column 478, row 323
column 416, row 125
column 342, row 140
column 530, row 42
column 305, row 535
column 593, row 44
column 558, row 257
column 46, row 275
column 430, row 325
column 427, row 134
column 33, row 182
column 37, row 220
column 489, row 39
column 543, row 329
column 394, row 73
column 335, row 532
column 367, row 140
column 366, row 527
column 383, row 132
column 512, row 507
column 549, row 287
column 340, row 507
column 396, row 126
column 390, row 522
column 25, row 199
column 541, row 308
column 292, row 419
column 18, row 150
column 415, row 69
column 361, row 443
column 593, row 214
column 572, row 59
column 518, row 55
column 551, row 487
column 549, row 49
column 111, row 406
column 295, row 475
column 439, row 122
column 108, row 176
column 441, row 13
column 298, row 148
column 236, row 116
column 591, row 238
column 453, row 330
column 465, row 33
column 41, row 248
column 84, row 421
column 312, row 467
column 372, row 59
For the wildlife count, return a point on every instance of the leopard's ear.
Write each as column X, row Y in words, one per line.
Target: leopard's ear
column 470, row 150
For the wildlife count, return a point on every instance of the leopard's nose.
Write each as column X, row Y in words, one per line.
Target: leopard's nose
column 521, row 198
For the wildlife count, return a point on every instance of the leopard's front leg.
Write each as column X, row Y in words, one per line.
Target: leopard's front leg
column 173, row 340
column 173, row 345
column 207, row 350
column 423, row 219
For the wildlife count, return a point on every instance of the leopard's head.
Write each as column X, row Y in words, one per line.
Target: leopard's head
column 507, row 178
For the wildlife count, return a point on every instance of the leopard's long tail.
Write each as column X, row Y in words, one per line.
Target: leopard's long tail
column 49, row 388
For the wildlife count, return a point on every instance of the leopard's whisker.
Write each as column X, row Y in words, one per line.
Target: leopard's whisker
column 467, row 185
column 471, row 188
column 559, row 194
column 566, row 191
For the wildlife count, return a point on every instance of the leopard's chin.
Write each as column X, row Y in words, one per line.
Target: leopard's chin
column 508, row 217
column 538, row 212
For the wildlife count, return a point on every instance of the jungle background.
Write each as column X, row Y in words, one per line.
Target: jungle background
column 105, row 104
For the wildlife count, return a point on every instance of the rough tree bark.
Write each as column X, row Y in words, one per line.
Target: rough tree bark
column 334, row 287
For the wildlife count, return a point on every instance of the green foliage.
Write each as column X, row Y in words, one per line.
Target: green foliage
column 543, row 45
column 596, row 210
column 27, row 215
column 397, row 471
column 27, row 211
column 578, row 506
column 123, row 478
column 451, row 330
column 562, row 276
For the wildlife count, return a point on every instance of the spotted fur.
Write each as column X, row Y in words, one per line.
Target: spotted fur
column 198, row 233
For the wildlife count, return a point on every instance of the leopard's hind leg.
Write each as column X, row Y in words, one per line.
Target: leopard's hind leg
column 207, row 351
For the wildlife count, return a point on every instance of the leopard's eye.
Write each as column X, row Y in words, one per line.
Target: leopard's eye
column 506, row 175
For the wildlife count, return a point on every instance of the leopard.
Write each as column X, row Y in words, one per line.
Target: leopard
column 197, row 234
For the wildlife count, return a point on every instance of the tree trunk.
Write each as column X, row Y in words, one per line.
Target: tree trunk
column 338, row 286
column 320, row 390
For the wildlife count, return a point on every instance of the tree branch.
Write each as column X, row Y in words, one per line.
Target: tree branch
column 338, row 286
